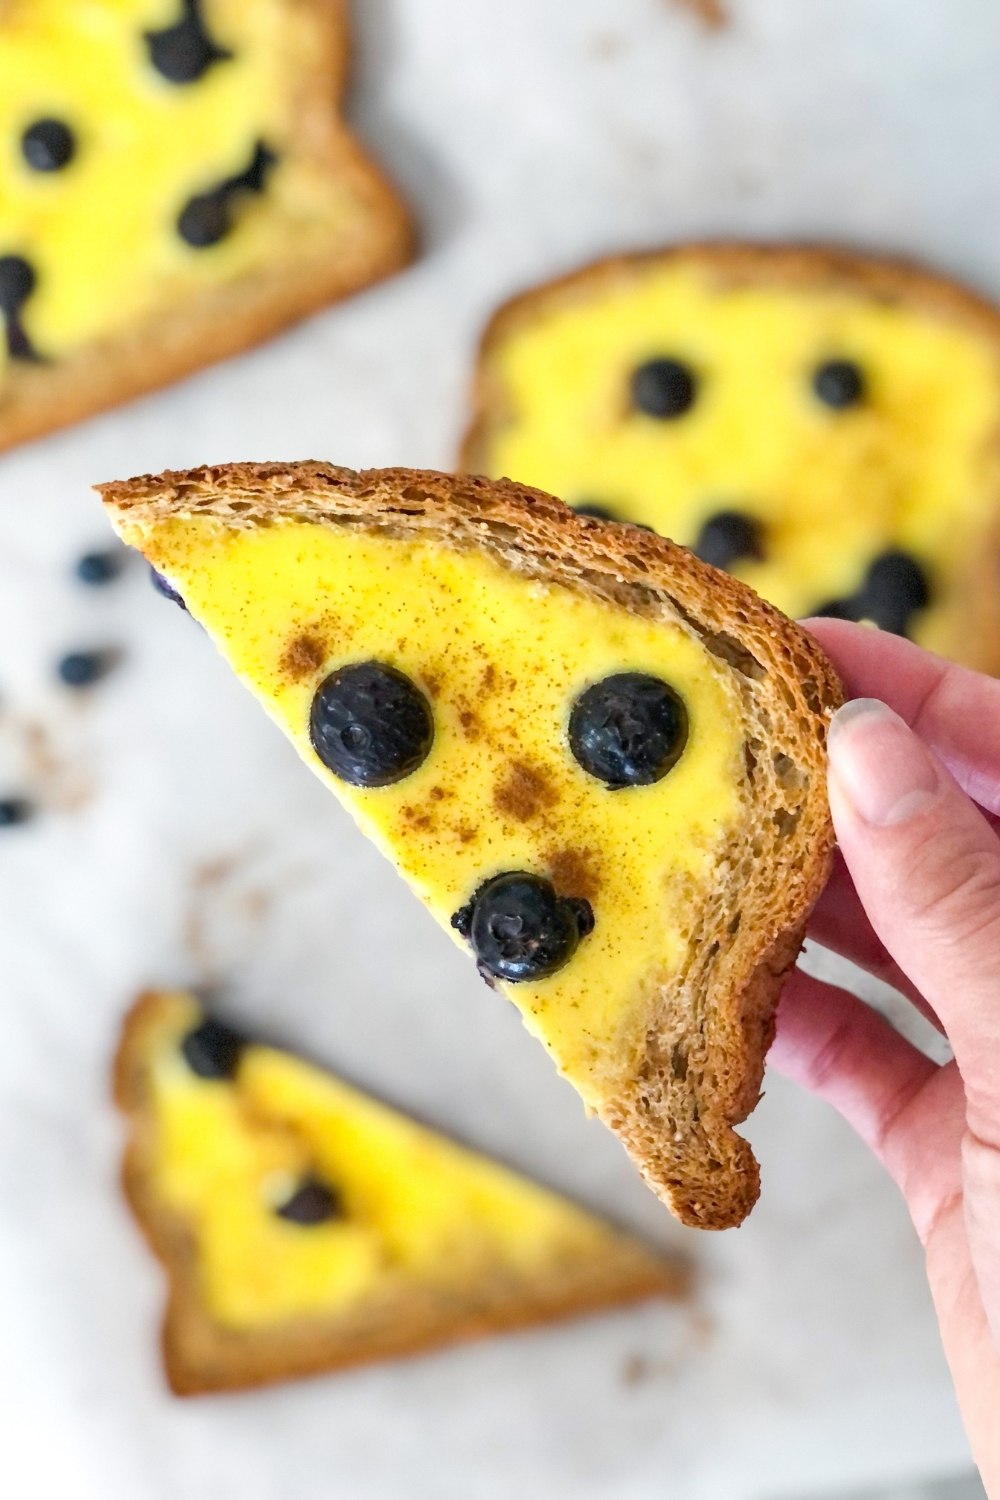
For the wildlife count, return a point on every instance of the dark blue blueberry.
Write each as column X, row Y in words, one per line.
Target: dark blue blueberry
column 628, row 729
column 183, row 52
column 15, row 810
column 839, row 383
column 520, row 929
column 663, row 388
column 599, row 512
column 17, row 282
column 370, row 725
column 728, row 537
column 48, row 145
column 313, row 1202
column 836, row 609
column 99, row 568
column 894, row 589
column 165, row 587
column 208, row 217
column 80, row 669
column 213, row 1050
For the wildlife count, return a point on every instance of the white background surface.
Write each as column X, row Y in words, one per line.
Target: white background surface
column 183, row 841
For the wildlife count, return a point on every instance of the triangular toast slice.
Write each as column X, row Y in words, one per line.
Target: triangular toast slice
column 177, row 184
column 600, row 762
column 306, row 1226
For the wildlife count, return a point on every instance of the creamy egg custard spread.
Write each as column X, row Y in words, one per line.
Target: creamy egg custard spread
column 305, row 1198
column 152, row 151
column 497, row 690
column 827, row 435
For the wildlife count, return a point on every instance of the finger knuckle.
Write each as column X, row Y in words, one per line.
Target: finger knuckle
column 954, row 891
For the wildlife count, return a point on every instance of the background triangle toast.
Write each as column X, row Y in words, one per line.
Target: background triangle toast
column 305, row 1226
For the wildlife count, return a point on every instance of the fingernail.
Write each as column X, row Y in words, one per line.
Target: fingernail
column 879, row 765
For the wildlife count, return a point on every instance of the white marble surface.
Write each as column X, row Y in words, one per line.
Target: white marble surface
column 183, row 841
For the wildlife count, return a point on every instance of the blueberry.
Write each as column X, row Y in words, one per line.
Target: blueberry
column 165, row 587
column 728, row 537
column 663, row 388
column 81, row 669
column 599, row 512
column 205, row 220
column 17, row 282
column 313, row 1202
column 894, row 589
column 836, row 609
column 15, row 810
column 183, row 52
column 520, row 929
column 99, row 568
column 628, row 729
column 839, row 383
column 48, row 145
column 212, row 1050
column 370, row 725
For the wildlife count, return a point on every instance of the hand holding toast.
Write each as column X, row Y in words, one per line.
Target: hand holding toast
column 915, row 899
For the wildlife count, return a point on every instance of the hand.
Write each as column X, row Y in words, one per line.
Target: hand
column 915, row 899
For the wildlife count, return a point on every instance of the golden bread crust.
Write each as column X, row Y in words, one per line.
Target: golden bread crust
column 697, row 1071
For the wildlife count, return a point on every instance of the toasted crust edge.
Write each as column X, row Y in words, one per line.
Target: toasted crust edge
column 199, row 1357
column 227, row 320
column 716, row 1185
column 799, row 264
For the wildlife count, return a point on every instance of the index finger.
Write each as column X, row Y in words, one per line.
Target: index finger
column 955, row 710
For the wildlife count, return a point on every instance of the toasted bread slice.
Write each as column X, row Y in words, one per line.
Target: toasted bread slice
column 822, row 423
column 179, row 185
column 305, row 1226
column 496, row 687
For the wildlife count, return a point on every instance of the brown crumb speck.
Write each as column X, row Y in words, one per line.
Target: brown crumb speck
column 524, row 792
column 574, row 872
column 711, row 13
column 302, row 657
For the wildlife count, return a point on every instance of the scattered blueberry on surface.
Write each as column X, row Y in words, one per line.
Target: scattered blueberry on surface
column 98, row 568
column 839, row 383
column 212, row 1050
column 727, row 537
column 629, row 729
column 313, row 1202
column 663, row 388
column 519, row 928
column 370, row 725
column 15, row 810
column 80, row 669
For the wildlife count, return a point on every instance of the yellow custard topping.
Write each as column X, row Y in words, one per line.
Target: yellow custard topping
column 413, row 1207
column 500, row 659
column 101, row 232
column 908, row 467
